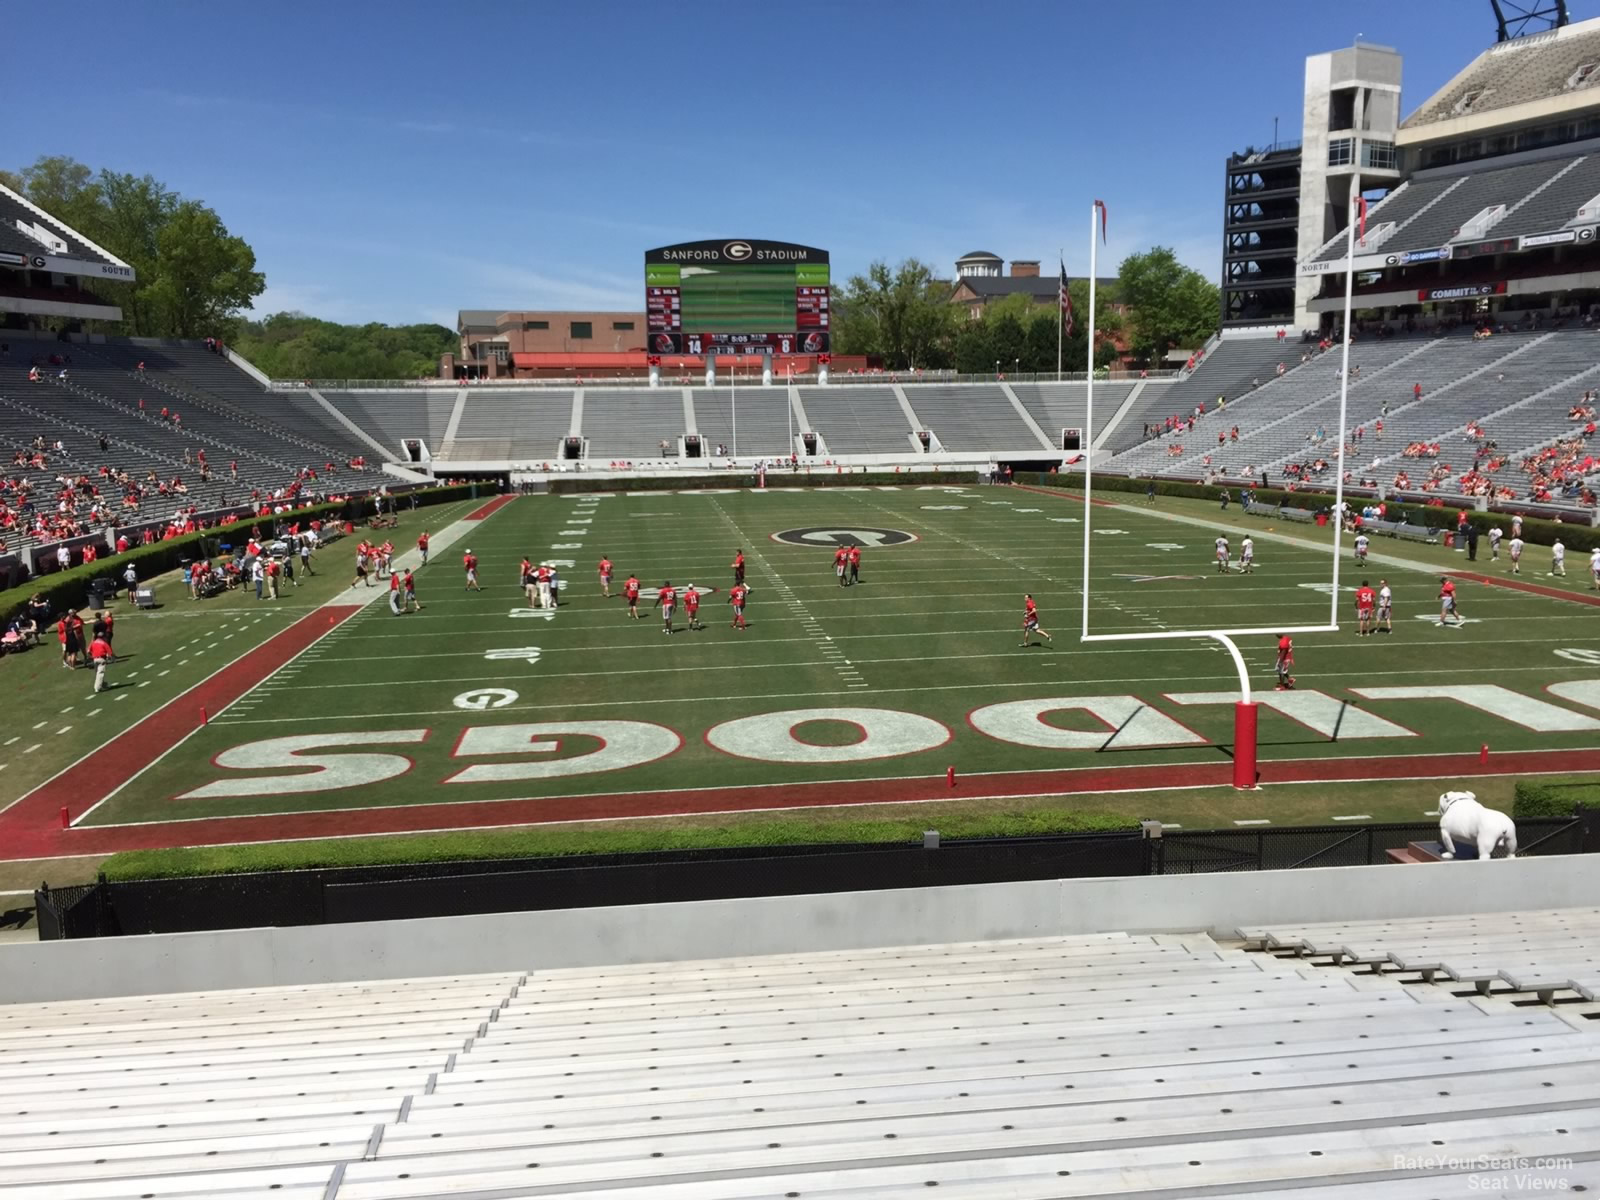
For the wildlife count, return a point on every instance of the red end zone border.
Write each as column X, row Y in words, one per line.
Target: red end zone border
column 489, row 509
column 31, row 828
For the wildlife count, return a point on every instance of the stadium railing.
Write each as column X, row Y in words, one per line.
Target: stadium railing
column 751, row 379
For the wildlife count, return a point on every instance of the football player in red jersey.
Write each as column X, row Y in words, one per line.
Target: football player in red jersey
column 666, row 601
column 737, row 598
column 691, row 606
column 1447, row 602
column 855, row 564
column 841, row 561
column 469, row 563
column 1030, row 621
column 630, row 593
column 738, row 566
column 1366, row 602
column 605, row 577
column 422, row 545
column 1285, row 661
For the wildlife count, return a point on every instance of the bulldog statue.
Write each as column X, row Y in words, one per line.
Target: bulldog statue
column 1462, row 818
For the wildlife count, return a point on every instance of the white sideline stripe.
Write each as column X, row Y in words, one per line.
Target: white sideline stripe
column 1256, row 821
column 124, row 695
column 1356, row 817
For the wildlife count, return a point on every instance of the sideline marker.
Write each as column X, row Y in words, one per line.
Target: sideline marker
column 66, row 818
column 950, row 776
column 203, row 719
column 1483, row 755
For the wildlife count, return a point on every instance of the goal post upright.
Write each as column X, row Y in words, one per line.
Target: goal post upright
column 1088, row 413
column 1344, row 387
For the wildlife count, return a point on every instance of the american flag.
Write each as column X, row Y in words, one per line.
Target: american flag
column 1066, row 303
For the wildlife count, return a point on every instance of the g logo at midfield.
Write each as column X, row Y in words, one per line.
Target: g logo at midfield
column 738, row 251
column 840, row 535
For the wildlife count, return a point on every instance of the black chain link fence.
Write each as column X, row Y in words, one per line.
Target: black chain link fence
column 399, row 892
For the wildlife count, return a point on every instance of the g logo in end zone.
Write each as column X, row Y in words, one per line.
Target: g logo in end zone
column 813, row 536
column 738, row 251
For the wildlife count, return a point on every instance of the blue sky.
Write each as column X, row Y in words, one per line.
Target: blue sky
column 398, row 161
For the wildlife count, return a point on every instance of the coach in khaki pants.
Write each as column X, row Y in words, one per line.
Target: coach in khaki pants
column 100, row 654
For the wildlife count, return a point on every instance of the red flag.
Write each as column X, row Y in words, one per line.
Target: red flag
column 1066, row 304
column 1361, row 207
column 1101, row 205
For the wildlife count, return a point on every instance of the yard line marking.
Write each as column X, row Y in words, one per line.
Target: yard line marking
column 124, row 696
column 33, row 747
column 68, row 709
column 93, row 711
column 64, row 729
column 1356, row 817
column 10, row 740
column 41, row 725
column 164, row 674
column 1257, row 821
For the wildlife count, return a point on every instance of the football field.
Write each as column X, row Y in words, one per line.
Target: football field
column 482, row 710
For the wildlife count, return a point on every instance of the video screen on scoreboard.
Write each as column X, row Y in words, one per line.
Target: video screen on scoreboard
column 737, row 297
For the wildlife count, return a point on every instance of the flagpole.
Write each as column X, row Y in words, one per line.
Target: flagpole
column 1061, row 312
column 733, row 404
column 1088, row 421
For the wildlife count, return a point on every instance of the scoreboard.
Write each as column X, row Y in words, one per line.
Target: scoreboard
column 737, row 297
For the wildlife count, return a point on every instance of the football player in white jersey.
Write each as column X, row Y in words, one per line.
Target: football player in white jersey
column 1594, row 569
column 1222, row 555
column 1494, row 543
column 1385, row 606
column 1516, row 555
column 1558, row 558
column 1361, row 548
column 1247, row 557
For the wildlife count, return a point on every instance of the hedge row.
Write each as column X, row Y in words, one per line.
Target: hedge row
column 816, row 477
column 70, row 589
column 1535, row 530
column 1558, row 796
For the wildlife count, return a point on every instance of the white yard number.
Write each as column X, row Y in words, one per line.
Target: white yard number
column 482, row 698
column 1577, row 654
column 539, row 614
column 1110, row 532
column 1164, row 545
column 529, row 654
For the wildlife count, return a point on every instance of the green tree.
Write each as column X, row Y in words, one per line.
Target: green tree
column 1169, row 304
column 205, row 275
column 974, row 351
column 295, row 346
column 902, row 314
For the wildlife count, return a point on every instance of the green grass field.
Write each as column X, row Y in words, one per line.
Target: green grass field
column 604, row 706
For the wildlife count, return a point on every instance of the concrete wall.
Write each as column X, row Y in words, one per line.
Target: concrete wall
column 675, row 932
